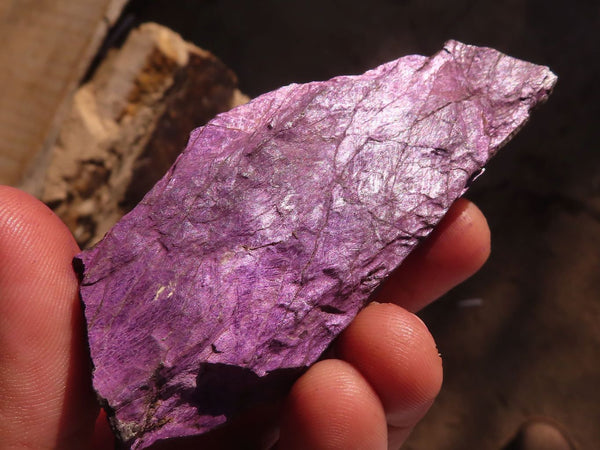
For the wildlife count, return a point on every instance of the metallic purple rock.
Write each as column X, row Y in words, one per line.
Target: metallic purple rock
column 276, row 224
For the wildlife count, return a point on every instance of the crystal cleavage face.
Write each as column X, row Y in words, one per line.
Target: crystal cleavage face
column 275, row 225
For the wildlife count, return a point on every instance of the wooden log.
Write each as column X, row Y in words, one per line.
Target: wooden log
column 128, row 124
column 46, row 48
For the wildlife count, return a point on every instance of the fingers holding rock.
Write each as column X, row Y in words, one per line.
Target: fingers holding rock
column 395, row 353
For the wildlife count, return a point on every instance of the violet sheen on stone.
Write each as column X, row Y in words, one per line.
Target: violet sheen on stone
column 275, row 225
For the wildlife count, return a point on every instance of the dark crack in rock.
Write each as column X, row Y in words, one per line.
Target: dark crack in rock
column 275, row 225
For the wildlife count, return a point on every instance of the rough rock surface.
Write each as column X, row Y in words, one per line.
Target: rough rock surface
column 276, row 224
column 127, row 125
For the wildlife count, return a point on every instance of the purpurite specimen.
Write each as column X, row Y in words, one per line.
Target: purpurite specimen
column 275, row 225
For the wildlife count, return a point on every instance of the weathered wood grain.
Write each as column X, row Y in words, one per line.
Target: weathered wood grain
column 127, row 124
column 46, row 48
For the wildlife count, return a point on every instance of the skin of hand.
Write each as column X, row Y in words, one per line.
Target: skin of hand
column 383, row 377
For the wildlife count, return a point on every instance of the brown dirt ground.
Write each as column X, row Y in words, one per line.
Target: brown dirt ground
column 527, row 340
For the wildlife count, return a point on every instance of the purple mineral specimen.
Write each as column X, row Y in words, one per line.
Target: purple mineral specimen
column 275, row 225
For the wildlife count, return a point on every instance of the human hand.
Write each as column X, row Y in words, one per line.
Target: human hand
column 385, row 374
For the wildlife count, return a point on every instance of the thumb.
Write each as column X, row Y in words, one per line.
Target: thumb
column 46, row 400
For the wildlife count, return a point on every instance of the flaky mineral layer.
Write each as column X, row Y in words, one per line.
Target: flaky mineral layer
column 276, row 224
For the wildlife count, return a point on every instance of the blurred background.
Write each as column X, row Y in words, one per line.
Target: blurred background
column 522, row 337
